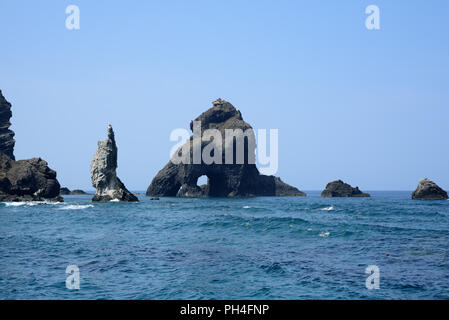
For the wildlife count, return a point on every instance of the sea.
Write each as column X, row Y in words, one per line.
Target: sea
column 384, row 247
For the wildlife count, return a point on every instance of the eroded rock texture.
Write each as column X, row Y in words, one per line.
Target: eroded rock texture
column 6, row 135
column 340, row 189
column 27, row 180
column 23, row 180
column 223, row 180
column 429, row 190
column 103, row 172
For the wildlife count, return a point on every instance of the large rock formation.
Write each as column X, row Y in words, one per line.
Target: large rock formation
column 429, row 190
column 235, row 179
column 340, row 189
column 6, row 136
column 23, row 180
column 103, row 173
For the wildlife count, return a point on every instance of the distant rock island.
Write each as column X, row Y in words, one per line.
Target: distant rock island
column 340, row 189
column 429, row 190
column 77, row 192
column 23, row 180
column 103, row 173
column 66, row 191
column 224, row 180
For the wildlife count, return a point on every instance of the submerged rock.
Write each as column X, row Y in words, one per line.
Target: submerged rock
column 224, row 180
column 429, row 190
column 103, row 173
column 22, row 180
column 340, row 189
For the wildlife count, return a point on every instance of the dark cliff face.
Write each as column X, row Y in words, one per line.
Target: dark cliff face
column 22, row 180
column 6, row 135
column 27, row 180
column 224, row 180
column 340, row 189
column 429, row 190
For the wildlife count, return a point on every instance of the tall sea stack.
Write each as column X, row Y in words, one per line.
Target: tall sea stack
column 23, row 180
column 103, row 172
column 6, row 135
column 237, row 179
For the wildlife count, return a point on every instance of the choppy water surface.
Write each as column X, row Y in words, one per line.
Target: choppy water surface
column 258, row 248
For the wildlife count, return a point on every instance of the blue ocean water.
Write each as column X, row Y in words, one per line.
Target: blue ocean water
column 256, row 248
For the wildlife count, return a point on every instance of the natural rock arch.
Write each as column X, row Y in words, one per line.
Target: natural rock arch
column 224, row 180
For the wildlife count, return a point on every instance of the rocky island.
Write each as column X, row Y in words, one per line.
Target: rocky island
column 76, row 192
column 340, row 189
column 429, row 190
column 224, row 179
column 23, row 180
column 103, row 173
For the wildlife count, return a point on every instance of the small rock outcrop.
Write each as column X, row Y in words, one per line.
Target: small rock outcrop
column 103, row 173
column 23, row 180
column 235, row 179
column 340, row 189
column 429, row 190
column 6, row 135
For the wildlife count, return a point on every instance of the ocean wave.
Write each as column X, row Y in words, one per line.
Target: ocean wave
column 28, row 203
column 324, row 234
column 246, row 207
column 76, row 207
column 328, row 208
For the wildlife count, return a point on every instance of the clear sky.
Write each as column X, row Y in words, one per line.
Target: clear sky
column 368, row 106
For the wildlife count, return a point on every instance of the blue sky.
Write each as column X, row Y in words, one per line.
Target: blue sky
column 369, row 107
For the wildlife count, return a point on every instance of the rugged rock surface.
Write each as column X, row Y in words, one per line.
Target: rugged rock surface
column 6, row 136
column 27, row 180
column 340, row 189
column 429, row 190
column 224, row 180
column 23, row 180
column 103, row 173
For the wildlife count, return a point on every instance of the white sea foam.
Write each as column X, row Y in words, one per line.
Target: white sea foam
column 324, row 234
column 328, row 208
column 25, row 203
column 76, row 207
column 246, row 207
column 114, row 200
